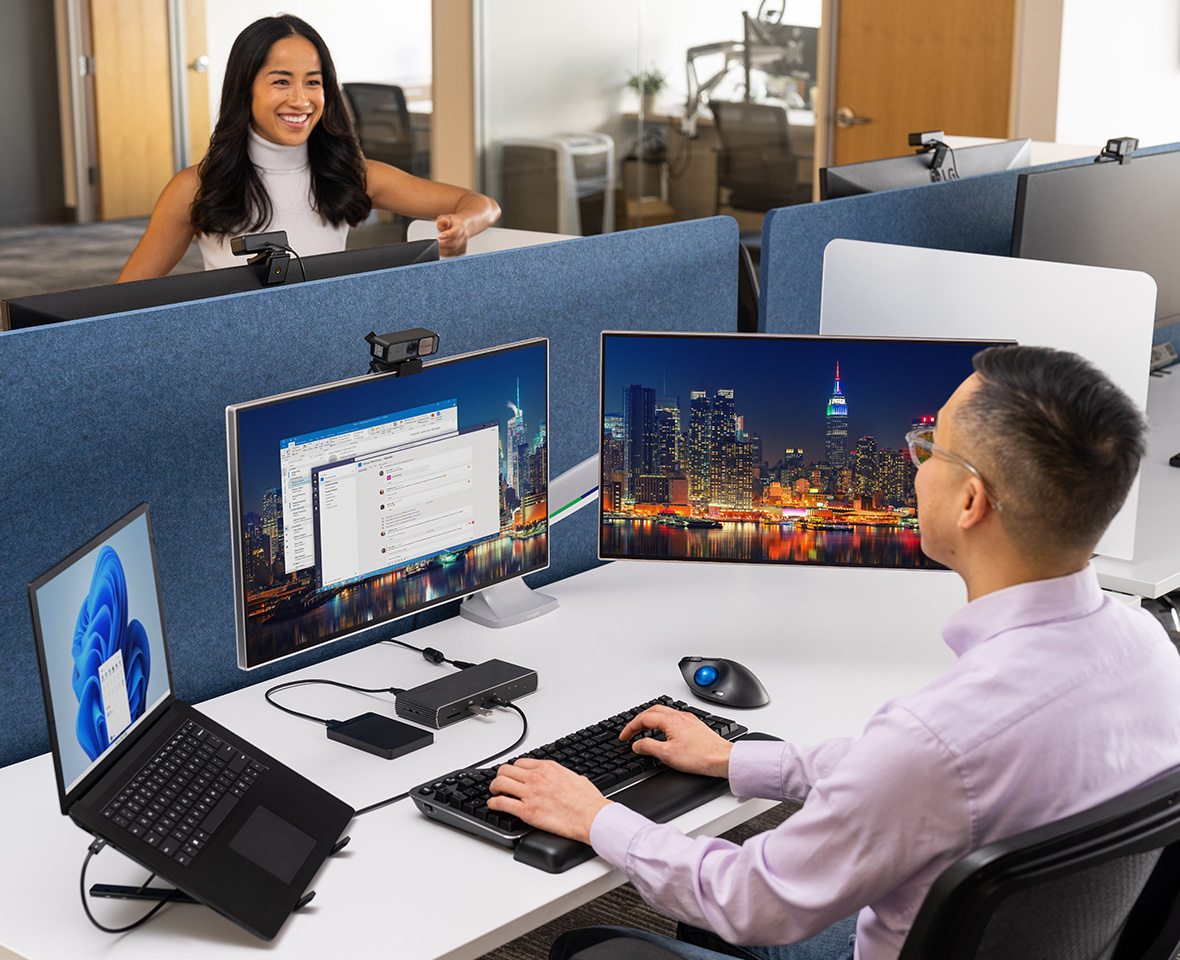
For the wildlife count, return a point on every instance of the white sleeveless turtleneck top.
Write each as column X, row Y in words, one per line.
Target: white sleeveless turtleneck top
column 286, row 176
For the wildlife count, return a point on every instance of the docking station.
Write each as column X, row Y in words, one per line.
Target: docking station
column 449, row 699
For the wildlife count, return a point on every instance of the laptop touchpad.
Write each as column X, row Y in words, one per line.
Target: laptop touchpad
column 269, row 841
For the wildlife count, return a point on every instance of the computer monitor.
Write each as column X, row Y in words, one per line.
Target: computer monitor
column 1107, row 215
column 913, row 170
column 767, row 449
column 358, row 502
column 34, row 311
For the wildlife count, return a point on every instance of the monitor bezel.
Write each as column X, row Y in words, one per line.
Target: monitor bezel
column 237, row 516
column 983, row 344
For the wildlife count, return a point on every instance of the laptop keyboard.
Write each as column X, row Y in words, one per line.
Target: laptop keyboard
column 182, row 795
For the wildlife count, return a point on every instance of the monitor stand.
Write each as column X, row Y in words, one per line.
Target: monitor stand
column 505, row 604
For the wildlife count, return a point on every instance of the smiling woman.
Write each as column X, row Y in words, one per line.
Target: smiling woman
column 284, row 156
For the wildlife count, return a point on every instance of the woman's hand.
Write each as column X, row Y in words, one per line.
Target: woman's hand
column 452, row 234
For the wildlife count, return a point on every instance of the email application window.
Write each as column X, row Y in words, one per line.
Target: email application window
column 298, row 456
column 392, row 508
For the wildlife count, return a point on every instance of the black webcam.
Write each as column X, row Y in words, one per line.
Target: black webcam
column 1119, row 148
column 269, row 249
column 921, row 139
column 259, row 243
column 401, row 351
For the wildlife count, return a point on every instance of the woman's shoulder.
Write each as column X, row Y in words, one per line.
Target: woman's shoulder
column 182, row 188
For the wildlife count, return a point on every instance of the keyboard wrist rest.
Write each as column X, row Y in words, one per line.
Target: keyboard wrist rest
column 660, row 798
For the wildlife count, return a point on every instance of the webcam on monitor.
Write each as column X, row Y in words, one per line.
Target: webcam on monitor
column 1118, row 148
column 270, row 248
column 401, row 351
column 925, row 139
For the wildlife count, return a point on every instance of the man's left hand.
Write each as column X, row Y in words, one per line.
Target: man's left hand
column 546, row 795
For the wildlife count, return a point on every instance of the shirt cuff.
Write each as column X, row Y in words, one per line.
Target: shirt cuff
column 756, row 769
column 613, row 830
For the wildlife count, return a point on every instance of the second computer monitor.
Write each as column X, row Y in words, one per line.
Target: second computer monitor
column 45, row 308
column 768, row 449
column 914, row 170
column 1122, row 215
column 358, row 502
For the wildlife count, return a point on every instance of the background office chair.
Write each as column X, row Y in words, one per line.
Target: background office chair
column 1101, row 885
column 382, row 123
column 756, row 162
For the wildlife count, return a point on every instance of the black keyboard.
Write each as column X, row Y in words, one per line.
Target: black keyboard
column 182, row 795
column 460, row 798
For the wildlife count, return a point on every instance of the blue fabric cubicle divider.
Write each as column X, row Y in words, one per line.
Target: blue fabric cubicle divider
column 972, row 215
column 99, row 415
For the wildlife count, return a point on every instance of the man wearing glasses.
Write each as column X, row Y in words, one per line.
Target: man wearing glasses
column 1028, row 462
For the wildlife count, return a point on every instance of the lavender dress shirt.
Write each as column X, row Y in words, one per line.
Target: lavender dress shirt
column 1061, row 698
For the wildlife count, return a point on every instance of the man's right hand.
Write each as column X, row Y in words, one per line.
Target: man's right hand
column 689, row 745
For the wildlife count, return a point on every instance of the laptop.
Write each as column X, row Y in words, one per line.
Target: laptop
column 206, row 810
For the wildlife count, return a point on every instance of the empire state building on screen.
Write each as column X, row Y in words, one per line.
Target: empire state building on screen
column 836, row 442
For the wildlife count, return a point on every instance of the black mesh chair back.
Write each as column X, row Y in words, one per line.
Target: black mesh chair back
column 382, row 123
column 756, row 162
column 1101, row 885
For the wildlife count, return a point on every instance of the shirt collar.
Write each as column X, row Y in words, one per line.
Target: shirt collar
column 1023, row 605
column 276, row 156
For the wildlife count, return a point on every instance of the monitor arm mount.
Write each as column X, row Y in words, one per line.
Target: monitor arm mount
column 698, row 92
column 931, row 141
column 401, row 352
column 270, row 249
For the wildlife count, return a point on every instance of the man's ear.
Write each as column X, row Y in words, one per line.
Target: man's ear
column 974, row 507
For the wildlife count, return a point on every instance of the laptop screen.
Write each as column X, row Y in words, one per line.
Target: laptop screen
column 100, row 641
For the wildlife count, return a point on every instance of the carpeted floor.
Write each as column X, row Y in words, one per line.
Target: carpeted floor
column 622, row 905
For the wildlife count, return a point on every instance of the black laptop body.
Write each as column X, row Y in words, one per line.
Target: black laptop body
column 226, row 823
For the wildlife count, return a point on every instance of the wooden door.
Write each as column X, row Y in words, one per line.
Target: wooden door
column 196, row 51
column 918, row 65
column 133, row 106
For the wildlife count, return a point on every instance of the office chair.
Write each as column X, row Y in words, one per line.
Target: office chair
column 1103, row 884
column 756, row 162
column 382, row 123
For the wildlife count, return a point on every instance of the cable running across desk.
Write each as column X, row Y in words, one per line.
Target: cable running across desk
column 519, row 740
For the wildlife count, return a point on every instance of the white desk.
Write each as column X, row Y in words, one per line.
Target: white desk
column 491, row 239
column 830, row 644
column 1155, row 569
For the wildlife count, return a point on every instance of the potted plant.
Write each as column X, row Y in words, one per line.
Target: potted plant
column 647, row 84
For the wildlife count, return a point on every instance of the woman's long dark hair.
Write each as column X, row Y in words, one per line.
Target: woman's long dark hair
column 231, row 198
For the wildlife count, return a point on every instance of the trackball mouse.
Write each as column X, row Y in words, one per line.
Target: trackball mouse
column 723, row 681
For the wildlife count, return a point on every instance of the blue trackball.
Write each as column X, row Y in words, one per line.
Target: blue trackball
column 705, row 676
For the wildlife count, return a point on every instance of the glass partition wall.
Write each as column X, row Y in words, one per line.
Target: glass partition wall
column 617, row 114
